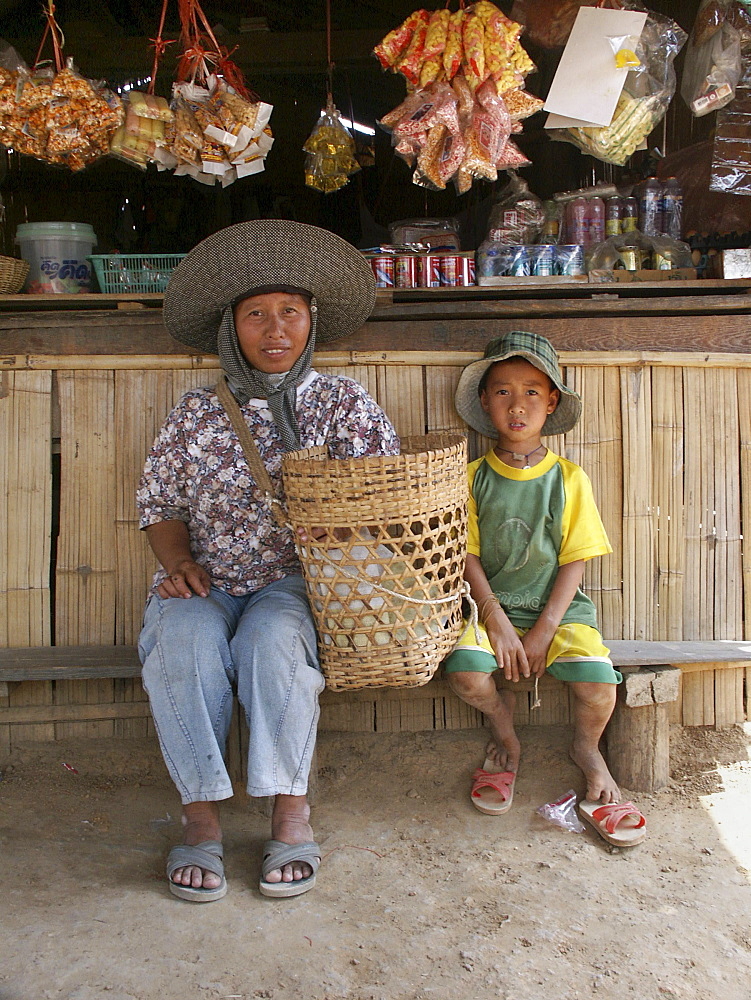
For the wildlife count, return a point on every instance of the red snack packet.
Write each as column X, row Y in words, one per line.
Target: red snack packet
column 452, row 53
column 473, row 40
column 391, row 47
column 411, row 62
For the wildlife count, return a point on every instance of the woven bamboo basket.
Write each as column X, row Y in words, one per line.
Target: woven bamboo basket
column 12, row 274
column 385, row 583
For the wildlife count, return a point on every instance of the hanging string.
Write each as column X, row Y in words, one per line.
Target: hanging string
column 53, row 29
column 160, row 47
column 330, row 64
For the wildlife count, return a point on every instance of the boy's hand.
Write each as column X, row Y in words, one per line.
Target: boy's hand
column 510, row 654
column 536, row 644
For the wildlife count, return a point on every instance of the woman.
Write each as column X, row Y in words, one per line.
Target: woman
column 227, row 611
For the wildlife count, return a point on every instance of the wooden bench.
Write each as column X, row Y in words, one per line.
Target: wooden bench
column 637, row 736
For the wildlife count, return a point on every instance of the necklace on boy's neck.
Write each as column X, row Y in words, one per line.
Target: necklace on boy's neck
column 517, row 457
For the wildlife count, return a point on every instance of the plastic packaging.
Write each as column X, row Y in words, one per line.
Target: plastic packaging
column 644, row 99
column 635, row 251
column 330, row 149
column 650, row 207
column 672, row 208
column 713, row 59
column 57, row 253
column 562, row 813
column 517, row 215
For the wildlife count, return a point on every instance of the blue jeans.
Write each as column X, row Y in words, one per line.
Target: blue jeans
column 197, row 652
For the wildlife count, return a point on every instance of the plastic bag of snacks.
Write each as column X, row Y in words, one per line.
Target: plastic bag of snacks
column 713, row 59
column 61, row 118
column 645, row 97
column 330, row 150
column 466, row 73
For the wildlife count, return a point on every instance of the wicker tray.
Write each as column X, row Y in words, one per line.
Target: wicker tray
column 386, row 583
column 12, row 275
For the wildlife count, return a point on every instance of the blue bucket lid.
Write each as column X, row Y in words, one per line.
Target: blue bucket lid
column 55, row 230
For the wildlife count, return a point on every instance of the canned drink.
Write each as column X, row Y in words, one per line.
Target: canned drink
column 663, row 260
column 405, row 271
column 466, row 273
column 630, row 258
column 519, row 261
column 543, row 260
column 428, row 271
column 449, row 269
column 630, row 217
column 613, row 215
column 569, row 259
column 383, row 269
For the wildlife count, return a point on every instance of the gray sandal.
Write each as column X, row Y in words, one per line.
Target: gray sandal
column 276, row 854
column 208, row 856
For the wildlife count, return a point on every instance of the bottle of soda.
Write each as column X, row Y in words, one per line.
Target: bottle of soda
column 630, row 216
column 595, row 221
column 576, row 221
column 613, row 214
column 650, row 207
column 550, row 223
column 672, row 208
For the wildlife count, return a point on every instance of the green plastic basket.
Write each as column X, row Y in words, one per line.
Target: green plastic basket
column 121, row 273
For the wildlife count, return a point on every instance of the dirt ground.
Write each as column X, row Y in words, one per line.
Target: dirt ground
column 419, row 896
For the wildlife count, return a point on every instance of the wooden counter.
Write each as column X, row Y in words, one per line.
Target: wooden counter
column 664, row 370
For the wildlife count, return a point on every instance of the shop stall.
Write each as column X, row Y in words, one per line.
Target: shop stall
column 626, row 271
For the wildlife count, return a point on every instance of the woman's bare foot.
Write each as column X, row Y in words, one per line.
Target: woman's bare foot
column 290, row 824
column 200, row 823
column 601, row 785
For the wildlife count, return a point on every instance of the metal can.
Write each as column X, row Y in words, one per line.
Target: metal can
column 383, row 269
column 520, row 263
column 449, row 269
column 466, row 272
column 630, row 258
column 569, row 259
column 405, row 271
column 630, row 216
column 662, row 260
column 543, row 259
column 428, row 271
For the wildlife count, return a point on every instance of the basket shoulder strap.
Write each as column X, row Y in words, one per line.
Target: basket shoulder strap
column 250, row 450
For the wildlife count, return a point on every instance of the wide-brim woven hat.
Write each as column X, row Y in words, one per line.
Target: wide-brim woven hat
column 540, row 353
column 263, row 254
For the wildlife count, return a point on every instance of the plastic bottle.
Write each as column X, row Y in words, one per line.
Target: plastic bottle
column 550, row 224
column 595, row 221
column 630, row 216
column 577, row 221
column 650, row 207
column 672, row 208
column 613, row 214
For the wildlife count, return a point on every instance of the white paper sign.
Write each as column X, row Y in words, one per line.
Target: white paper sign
column 587, row 83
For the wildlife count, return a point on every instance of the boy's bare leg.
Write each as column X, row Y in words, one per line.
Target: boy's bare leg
column 200, row 823
column 479, row 690
column 593, row 706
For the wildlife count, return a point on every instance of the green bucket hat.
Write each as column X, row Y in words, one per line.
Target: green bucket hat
column 540, row 353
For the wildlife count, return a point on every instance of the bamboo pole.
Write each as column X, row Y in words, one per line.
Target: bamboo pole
column 667, row 470
column 638, row 530
column 744, row 424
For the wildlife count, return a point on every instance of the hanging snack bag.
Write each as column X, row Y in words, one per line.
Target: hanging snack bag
column 713, row 66
column 330, row 152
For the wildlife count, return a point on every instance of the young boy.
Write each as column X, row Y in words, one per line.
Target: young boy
column 533, row 524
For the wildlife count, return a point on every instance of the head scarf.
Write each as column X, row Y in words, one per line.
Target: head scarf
column 247, row 382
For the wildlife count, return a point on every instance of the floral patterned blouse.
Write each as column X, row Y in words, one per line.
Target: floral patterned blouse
column 196, row 472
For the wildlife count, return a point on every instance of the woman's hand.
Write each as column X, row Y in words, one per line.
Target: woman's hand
column 185, row 579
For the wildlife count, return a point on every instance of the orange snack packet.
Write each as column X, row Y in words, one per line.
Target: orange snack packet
column 410, row 63
column 452, row 53
column 473, row 41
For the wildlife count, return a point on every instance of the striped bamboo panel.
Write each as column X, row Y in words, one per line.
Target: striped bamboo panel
column 665, row 439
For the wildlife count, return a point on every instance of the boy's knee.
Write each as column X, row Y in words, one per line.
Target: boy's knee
column 594, row 694
column 466, row 683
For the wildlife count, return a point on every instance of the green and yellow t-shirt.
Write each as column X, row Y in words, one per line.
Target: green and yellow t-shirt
column 524, row 524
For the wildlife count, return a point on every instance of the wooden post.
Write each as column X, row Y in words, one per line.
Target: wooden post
column 638, row 734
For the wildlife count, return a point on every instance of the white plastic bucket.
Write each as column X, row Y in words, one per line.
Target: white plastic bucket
column 57, row 252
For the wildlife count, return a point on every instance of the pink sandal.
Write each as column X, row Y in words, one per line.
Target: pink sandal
column 492, row 791
column 619, row 823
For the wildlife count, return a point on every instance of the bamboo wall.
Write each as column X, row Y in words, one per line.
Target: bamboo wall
column 665, row 438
